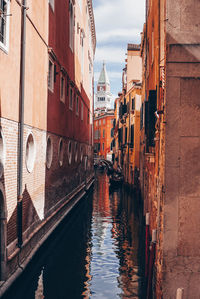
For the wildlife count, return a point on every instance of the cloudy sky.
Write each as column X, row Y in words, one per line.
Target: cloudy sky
column 117, row 24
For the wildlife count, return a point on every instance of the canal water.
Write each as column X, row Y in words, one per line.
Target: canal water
column 96, row 253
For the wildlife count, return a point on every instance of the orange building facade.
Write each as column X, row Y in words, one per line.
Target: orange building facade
column 169, row 147
column 103, row 134
column 126, row 141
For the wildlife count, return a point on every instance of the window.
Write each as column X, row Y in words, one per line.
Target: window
column 103, row 147
column 81, row 153
column 77, row 105
column 4, row 23
column 51, row 2
column 133, row 104
column 30, row 153
column 70, row 152
column 71, row 26
column 99, row 122
column 150, row 118
column 51, row 76
column 81, row 110
column 104, row 121
column 132, row 136
column 101, row 99
column 88, row 116
column 62, row 89
column 61, row 152
column 125, row 135
column 71, row 99
column 49, row 153
column 96, row 134
column 76, row 152
column 103, row 133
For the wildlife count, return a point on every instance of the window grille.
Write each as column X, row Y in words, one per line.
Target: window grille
column 4, row 23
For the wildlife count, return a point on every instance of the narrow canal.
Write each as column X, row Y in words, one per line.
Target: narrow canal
column 96, row 252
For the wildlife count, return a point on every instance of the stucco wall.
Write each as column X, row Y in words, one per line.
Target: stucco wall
column 134, row 68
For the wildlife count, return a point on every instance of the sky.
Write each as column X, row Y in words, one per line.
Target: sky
column 117, row 22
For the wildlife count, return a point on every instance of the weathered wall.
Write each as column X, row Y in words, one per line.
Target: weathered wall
column 134, row 68
column 181, row 210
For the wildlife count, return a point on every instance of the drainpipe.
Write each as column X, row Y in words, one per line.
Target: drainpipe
column 21, row 126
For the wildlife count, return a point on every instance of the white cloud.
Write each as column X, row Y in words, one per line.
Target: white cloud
column 110, row 54
column 117, row 24
column 119, row 15
column 121, row 35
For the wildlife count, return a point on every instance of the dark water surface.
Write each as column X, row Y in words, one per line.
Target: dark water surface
column 95, row 253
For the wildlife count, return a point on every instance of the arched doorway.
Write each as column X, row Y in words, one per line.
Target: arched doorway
column 3, row 237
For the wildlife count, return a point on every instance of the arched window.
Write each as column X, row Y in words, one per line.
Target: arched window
column 81, row 153
column 49, row 153
column 61, row 152
column 76, row 152
column 70, row 152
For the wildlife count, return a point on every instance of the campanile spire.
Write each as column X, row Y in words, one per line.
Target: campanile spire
column 103, row 95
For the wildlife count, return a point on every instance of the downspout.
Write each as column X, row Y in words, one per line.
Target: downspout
column 21, row 126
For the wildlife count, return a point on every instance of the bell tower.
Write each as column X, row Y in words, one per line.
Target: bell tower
column 103, row 95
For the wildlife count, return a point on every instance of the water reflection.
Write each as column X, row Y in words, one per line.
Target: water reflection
column 96, row 254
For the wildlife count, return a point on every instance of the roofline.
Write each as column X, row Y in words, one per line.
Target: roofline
column 133, row 47
column 104, row 115
column 91, row 14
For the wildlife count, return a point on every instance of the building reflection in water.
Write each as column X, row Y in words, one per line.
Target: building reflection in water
column 117, row 223
column 96, row 253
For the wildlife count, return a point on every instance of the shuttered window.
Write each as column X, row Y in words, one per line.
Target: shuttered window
column 132, row 136
column 150, row 118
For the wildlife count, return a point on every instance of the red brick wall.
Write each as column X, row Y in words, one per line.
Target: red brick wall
column 43, row 189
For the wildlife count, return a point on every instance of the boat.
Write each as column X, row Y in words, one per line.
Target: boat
column 116, row 179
